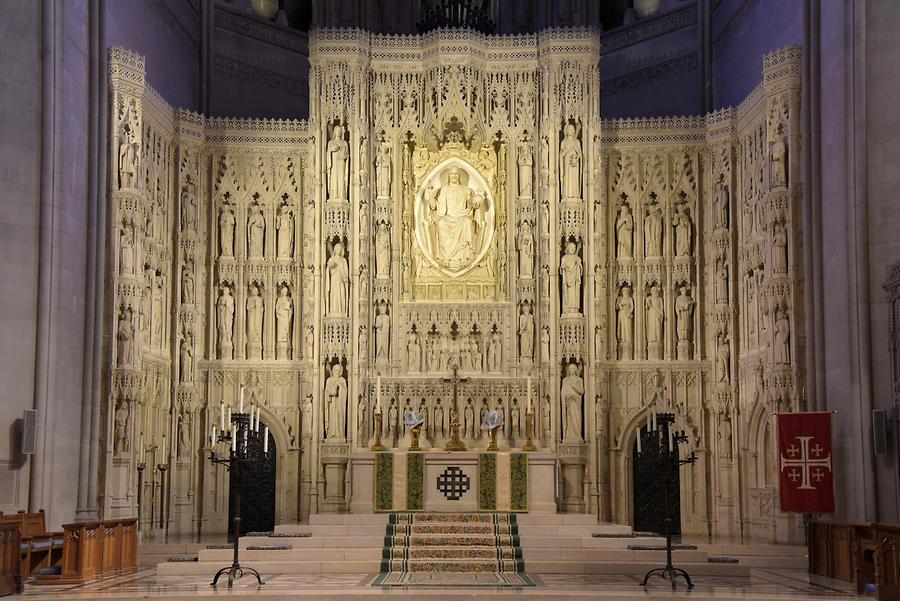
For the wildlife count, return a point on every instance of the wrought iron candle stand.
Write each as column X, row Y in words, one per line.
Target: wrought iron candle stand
column 663, row 441
column 243, row 452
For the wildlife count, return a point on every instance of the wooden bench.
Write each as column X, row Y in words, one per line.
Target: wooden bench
column 10, row 564
column 93, row 550
column 38, row 548
column 865, row 553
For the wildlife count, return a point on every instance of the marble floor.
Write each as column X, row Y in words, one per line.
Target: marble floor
column 763, row 584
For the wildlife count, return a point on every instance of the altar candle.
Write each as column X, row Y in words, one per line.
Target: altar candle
column 639, row 442
column 233, row 438
column 165, row 449
column 670, row 440
column 213, row 439
column 530, row 406
column 378, row 396
column 654, row 419
column 648, row 419
column 266, row 440
column 257, row 419
column 222, row 415
column 229, row 418
column 251, row 416
column 241, row 410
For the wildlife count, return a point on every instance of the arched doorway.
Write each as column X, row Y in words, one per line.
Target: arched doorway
column 649, row 489
column 257, row 484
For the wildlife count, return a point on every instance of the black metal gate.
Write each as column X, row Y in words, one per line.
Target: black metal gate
column 649, row 478
column 257, row 493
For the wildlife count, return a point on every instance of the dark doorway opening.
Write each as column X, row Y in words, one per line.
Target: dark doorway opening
column 649, row 490
column 257, row 482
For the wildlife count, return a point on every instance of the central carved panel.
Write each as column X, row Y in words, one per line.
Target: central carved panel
column 454, row 215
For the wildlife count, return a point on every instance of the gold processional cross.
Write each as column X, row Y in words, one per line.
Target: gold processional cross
column 455, row 444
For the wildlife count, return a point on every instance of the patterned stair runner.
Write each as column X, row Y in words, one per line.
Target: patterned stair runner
column 451, row 542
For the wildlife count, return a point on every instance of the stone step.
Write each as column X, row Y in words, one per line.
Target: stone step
column 342, row 519
column 319, row 542
column 266, row 568
column 333, row 530
column 614, row 555
column 633, row 568
column 299, row 555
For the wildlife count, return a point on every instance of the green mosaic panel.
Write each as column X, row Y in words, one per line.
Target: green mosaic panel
column 518, row 480
column 415, row 481
column 487, row 482
column 384, row 481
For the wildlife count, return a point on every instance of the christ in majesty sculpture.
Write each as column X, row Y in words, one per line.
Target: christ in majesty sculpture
column 451, row 214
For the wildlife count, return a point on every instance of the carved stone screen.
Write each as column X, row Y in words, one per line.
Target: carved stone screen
column 455, row 201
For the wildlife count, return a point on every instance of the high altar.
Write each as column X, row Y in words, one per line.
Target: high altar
column 454, row 200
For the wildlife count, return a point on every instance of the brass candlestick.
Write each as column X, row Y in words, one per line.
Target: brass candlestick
column 414, row 438
column 529, row 432
column 492, row 436
column 377, row 446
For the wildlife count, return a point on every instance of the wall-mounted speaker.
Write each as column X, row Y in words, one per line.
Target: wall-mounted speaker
column 29, row 431
column 879, row 431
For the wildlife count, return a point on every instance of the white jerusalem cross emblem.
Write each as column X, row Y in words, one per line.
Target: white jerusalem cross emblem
column 805, row 464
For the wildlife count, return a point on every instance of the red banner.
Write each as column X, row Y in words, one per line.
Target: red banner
column 805, row 462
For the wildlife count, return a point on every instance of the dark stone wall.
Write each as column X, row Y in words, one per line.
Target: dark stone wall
column 167, row 33
column 743, row 32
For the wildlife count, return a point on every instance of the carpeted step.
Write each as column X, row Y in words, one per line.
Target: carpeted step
column 470, row 552
column 675, row 547
column 451, row 540
column 453, row 565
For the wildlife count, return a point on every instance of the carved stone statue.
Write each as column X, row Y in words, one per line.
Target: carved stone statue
column 129, row 153
column 285, row 226
column 187, row 285
column 545, row 159
column 362, row 419
column 545, row 344
column 625, row 233
column 720, row 204
column 723, row 358
column 414, row 353
column 337, row 282
column 126, row 250
column 121, row 427
column 225, row 323
column 382, row 334
column 125, row 337
column 526, row 333
column 570, row 161
column 572, row 270
column 684, row 322
column 779, row 248
column 572, row 392
column 184, row 437
column 187, row 360
column 721, row 284
column 383, row 168
column 625, row 325
column 284, row 312
column 337, row 158
column 382, row 251
column 782, row 338
column 681, row 220
column 777, row 155
column 256, row 231
column 525, row 161
column 526, row 250
column 495, row 352
column 336, row 402
column 653, row 232
column 159, row 284
column 226, row 233
column 363, row 343
column 310, row 342
column 188, row 208
column 655, row 317
column 453, row 214
column 254, row 323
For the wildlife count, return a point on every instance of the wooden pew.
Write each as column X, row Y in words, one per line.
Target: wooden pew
column 10, row 564
column 38, row 548
column 865, row 553
column 93, row 550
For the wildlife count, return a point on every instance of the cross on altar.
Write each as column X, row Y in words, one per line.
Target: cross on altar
column 805, row 463
column 455, row 444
